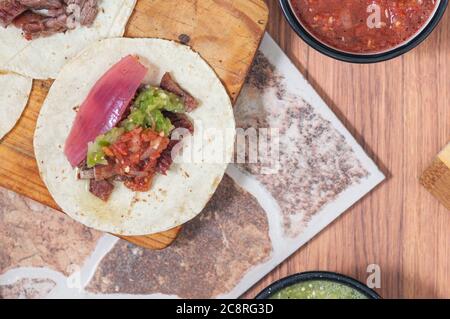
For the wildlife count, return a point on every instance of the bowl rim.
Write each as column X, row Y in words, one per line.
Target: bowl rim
column 317, row 275
column 358, row 58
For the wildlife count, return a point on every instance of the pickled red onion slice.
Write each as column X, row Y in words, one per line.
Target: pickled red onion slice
column 104, row 106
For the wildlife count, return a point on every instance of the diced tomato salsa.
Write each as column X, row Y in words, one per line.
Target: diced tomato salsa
column 135, row 157
column 347, row 25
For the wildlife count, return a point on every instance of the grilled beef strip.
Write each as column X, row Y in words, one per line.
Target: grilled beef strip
column 30, row 23
column 45, row 17
column 101, row 176
column 178, row 120
column 165, row 161
column 101, row 189
column 89, row 12
column 42, row 4
column 51, row 12
column 9, row 10
column 34, row 25
column 169, row 84
column 110, row 172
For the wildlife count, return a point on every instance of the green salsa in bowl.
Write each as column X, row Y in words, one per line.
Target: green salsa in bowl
column 318, row 285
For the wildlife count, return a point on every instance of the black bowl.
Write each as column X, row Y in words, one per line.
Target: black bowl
column 361, row 58
column 317, row 275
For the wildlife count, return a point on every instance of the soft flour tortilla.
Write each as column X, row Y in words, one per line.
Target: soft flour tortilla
column 14, row 92
column 173, row 199
column 42, row 58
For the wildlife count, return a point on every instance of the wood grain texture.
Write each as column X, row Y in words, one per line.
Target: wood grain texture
column 436, row 177
column 226, row 33
column 399, row 112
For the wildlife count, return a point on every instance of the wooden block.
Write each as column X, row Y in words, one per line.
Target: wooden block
column 437, row 177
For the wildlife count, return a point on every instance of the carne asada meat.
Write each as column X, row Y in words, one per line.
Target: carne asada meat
column 9, row 10
column 133, row 159
column 136, row 157
column 133, row 154
column 136, row 154
column 89, row 12
column 169, row 84
column 42, row 4
column 30, row 23
column 34, row 25
column 178, row 120
column 102, row 172
column 165, row 161
column 101, row 189
column 46, row 17
column 99, row 172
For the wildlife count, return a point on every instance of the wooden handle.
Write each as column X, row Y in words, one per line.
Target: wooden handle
column 437, row 177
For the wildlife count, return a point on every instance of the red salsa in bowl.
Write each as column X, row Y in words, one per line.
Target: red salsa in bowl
column 363, row 31
column 364, row 26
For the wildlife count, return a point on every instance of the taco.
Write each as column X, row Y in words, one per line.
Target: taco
column 14, row 93
column 115, row 125
column 37, row 37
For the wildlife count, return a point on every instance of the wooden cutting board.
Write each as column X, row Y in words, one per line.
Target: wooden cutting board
column 437, row 177
column 226, row 33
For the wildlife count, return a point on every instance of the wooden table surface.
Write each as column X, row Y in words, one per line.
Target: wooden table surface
column 399, row 112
